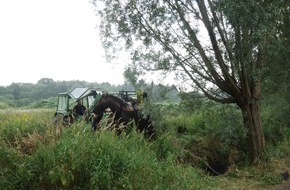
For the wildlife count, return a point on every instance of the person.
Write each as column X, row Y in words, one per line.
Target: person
column 79, row 109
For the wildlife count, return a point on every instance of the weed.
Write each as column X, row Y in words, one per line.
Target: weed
column 36, row 155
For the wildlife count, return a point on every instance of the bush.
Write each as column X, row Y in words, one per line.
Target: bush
column 17, row 123
column 75, row 158
column 4, row 105
column 215, row 134
column 34, row 154
column 45, row 103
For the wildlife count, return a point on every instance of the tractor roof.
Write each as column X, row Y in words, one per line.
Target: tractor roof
column 79, row 93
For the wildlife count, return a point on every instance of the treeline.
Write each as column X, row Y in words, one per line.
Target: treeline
column 46, row 89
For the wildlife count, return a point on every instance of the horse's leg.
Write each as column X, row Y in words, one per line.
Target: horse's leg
column 145, row 125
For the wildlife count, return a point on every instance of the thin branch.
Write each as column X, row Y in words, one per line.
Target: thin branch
column 222, row 34
column 229, row 80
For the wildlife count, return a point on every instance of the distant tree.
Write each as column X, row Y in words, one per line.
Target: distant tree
column 45, row 81
column 218, row 46
column 131, row 74
column 15, row 90
column 23, row 94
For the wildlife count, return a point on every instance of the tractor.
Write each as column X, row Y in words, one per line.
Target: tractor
column 87, row 96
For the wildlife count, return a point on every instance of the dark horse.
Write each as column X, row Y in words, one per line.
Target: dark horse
column 123, row 112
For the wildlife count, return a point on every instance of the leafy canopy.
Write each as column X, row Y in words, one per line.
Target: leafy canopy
column 219, row 46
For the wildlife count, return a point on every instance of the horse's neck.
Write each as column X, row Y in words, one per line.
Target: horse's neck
column 113, row 106
column 114, row 103
column 122, row 105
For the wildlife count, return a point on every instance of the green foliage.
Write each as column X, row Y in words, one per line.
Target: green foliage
column 15, row 123
column 4, row 105
column 210, row 131
column 24, row 94
column 6, row 102
column 44, row 93
column 75, row 158
column 45, row 103
column 220, row 47
column 36, row 155
column 159, row 93
column 165, row 147
column 192, row 101
column 224, row 121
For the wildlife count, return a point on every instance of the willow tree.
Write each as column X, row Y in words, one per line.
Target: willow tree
column 219, row 46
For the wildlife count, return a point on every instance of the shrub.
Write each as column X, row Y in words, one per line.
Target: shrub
column 4, row 105
column 36, row 155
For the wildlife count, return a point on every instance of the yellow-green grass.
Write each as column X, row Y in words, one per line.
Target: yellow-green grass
column 36, row 154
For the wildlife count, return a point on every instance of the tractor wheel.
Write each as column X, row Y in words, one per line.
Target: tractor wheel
column 64, row 120
column 67, row 120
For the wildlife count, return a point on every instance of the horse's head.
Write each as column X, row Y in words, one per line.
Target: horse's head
column 123, row 112
column 115, row 104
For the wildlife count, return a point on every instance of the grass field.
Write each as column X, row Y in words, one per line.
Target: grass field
column 35, row 154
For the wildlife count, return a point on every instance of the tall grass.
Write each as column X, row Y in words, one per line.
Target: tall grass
column 35, row 154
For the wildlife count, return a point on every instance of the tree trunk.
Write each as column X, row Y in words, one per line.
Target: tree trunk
column 255, row 135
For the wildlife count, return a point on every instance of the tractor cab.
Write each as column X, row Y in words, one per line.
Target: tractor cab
column 67, row 100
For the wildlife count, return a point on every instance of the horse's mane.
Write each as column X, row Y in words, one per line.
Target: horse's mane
column 117, row 99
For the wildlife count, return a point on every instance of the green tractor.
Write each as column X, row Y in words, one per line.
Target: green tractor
column 65, row 114
column 88, row 97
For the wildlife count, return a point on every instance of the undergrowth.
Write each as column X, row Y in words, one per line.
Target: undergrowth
column 35, row 154
column 76, row 158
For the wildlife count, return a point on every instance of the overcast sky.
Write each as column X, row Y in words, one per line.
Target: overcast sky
column 54, row 39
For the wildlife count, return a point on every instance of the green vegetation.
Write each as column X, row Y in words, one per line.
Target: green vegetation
column 200, row 144
column 37, row 155
column 44, row 93
column 227, row 49
column 24, row 94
